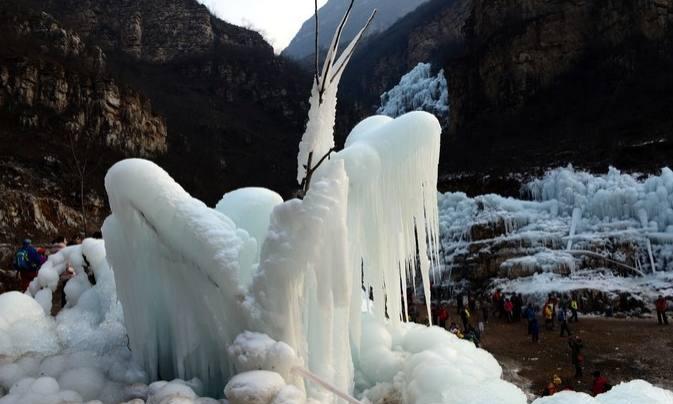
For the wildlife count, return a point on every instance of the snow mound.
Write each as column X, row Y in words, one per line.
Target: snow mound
column 634, row 392
column 418, row 90
column 428, row 365
column 254, row 387
column 24, row 327
column 255, row 351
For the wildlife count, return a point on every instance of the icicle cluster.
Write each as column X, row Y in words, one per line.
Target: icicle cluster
column 417, row 90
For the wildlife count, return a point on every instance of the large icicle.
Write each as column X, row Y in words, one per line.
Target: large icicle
column 176, row 266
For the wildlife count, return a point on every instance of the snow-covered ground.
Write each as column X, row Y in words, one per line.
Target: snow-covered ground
column 611, row 233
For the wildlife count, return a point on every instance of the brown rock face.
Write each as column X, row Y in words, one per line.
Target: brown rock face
column 40, row 88
column 555, row 82
column 163, row 79
column 154, row 31
column 234, row 111
column 59, row 106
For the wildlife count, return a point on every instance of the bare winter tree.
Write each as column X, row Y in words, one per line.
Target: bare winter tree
column 315, row 140
column 80, row 147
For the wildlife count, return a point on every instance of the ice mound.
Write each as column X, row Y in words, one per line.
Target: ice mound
column 418, row 90
column 429, row 365
column 255, row 351
column 24, row 327
column 254, row 387
column 43, row 390
column 634, row 392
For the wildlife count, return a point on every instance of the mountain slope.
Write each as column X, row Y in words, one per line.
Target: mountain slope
column 61, row 112
column 302, row 45
column 560, row 82
column 430, row 34
column 230, row 111
column 234, row 110
column 532, row 85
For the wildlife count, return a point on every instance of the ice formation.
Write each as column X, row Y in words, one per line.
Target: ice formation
column 318, row 139
column 634, row 392
column 371, row 208
column 610, row 232
column 260, row 299
column 418, row 90
column 304, row 290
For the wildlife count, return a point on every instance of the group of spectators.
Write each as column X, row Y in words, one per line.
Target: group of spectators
column 558, row 312
column 28, row 259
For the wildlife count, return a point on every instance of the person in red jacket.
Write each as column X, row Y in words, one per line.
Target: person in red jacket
column 600, row 385
column 509, row 308
column 442, row 316
column 661, row 306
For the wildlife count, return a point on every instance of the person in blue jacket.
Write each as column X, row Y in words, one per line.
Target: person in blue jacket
column 27, row 261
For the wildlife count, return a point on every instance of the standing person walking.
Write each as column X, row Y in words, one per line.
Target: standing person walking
column 661, row 305
column 549, row 315
column 535, row 330
column 573, row 308
column 509, row 308
column 563, row 321
column 485, row 309
column 465, row 317
column 530, row 316
column 517, row 301
column 576, row 357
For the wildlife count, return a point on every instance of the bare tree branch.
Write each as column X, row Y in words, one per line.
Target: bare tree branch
column 317, row 50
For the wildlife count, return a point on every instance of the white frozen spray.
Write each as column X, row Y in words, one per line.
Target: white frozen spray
column 418, row 90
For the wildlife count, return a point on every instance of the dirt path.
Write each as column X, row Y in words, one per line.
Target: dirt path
column 622, row 349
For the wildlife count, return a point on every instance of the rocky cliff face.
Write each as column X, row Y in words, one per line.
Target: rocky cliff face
column 233, row 109
column 155, row 31
column 161, row 79
column 554, row 82
column 60, row 110
column 532, row 84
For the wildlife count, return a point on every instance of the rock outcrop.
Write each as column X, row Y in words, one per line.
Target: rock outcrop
column 234, row 110
column 555, row 82
column 159, row 79
column 61, row 112
column 152, row 31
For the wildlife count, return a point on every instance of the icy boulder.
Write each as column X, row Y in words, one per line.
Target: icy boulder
column 255, row 387
column 192, row 257
column 24, row 327
column 255, row 351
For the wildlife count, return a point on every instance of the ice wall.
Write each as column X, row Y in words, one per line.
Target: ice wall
column 615, row 195
column 418, row 90
column 610, row 232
